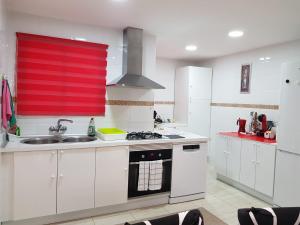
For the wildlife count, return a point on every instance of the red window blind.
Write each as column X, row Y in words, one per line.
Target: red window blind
column 58, row 76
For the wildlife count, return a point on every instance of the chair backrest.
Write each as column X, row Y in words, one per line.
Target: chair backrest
column 192, row 217
column 284, row 216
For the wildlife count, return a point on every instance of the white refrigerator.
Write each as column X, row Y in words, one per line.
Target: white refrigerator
column 287, row 173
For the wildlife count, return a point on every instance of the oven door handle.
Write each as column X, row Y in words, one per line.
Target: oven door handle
column 136, row 163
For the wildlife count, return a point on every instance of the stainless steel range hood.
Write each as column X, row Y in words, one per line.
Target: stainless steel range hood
column 133, row 62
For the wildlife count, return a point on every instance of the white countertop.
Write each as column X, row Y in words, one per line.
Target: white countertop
column 17, row 146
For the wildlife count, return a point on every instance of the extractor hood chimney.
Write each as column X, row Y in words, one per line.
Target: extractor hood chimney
column 133, row 62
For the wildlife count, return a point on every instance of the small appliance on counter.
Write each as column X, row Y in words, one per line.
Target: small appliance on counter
column 242, row 125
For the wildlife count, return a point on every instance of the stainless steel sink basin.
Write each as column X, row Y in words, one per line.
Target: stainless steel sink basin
column 53, row 140
column 40, row 140
column 78, row 139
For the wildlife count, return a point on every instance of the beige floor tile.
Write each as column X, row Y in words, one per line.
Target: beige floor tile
column 140, row 214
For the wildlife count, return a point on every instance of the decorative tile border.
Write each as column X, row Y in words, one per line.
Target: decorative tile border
column 132, row 103
column 164, row 102
column 129, row 103
column 248, row 106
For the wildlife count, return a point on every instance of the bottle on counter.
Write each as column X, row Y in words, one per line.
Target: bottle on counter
column 91, row 129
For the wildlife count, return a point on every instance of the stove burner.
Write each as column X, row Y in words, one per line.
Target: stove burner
column 143, row 136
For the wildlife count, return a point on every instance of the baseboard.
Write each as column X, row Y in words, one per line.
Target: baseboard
column 186, row 198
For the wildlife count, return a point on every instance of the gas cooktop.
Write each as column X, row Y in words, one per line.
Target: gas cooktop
column 143, row 136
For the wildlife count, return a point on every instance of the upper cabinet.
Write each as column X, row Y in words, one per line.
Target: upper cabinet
column 193, row 98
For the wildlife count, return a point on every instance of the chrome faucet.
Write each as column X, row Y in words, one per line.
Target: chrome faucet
column 59, row 128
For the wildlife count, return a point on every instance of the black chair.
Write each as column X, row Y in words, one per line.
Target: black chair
column 284, row 216
column 192, row 217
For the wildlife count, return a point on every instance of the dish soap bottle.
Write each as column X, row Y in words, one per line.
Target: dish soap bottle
column 91, row 129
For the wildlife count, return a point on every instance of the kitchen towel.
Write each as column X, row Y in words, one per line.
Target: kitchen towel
column 6, row 112
column 143, row 182
column 12, row 121
column 155, row 178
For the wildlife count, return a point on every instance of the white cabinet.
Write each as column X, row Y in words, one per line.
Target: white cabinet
column 287, row 182
column 248, row 162
column 34, row 189
column 111, row 184
column 228, row 157
column 75, row 183
column 221, row 155
column 258, row 166
column 193, row 98
column 265, row 168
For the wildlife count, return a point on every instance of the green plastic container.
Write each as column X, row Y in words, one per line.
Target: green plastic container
column 111, row 134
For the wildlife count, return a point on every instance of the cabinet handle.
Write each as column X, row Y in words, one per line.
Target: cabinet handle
column 62, row 152
column 61, row 175
column 126, row 170
column 53, row 176
column 53, row 153
column 257, row 162
column 253, row 161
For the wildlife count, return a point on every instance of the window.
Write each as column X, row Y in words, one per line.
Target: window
column 58, row 76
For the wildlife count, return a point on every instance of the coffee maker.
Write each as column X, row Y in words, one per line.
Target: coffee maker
column 242, row 125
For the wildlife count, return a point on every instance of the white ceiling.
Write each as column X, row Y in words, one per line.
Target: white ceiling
column 177, row 23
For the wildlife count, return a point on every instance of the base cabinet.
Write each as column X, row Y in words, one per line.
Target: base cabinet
column 111, row 189
column 228, row 157
column 34, row 193
column 248, row 162
column 75, row 182
column 265, row 169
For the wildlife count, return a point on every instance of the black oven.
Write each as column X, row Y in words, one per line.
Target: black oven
column 138, row 155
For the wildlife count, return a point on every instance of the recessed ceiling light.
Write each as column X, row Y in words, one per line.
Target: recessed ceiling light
column 191, row 48
column 236, row 33
column 262, row 59
column 267, row 58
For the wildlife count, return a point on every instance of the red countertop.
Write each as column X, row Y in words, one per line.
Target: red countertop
column 248, row 137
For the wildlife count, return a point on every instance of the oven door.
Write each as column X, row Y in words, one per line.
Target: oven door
column 149, row 155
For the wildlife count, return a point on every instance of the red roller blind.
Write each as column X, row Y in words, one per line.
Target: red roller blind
column 57, row 76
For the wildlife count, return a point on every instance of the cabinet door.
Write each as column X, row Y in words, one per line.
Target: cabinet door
column 111, row 175
column 265, row 166
column 234, row 158
column 221, row 155
column 287, row 182
column 75, row 184
column 199, row 116
column 34, row 184
column 248, row 161
column 200, row 82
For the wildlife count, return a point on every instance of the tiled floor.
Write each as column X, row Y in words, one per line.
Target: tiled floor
column 222, row 200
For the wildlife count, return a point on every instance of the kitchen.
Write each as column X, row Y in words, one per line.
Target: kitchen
column 131, row 109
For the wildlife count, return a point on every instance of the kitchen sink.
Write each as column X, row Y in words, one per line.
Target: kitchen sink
column 53, row 140
column 73, row 139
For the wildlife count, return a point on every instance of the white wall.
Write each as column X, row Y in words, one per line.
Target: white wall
column 3, row 69
column 128, row 118
column 265, row 84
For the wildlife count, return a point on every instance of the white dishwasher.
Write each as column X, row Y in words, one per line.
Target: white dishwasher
column 188, row 172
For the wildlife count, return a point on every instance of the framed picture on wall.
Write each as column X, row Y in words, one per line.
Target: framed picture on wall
column 245, row 78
